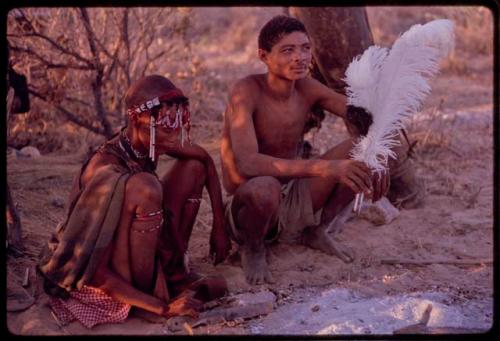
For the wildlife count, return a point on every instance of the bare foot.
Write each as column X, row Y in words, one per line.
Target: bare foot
column 316, row 237
column 253, row 261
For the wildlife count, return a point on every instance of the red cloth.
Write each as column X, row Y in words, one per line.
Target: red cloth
column 90, row 306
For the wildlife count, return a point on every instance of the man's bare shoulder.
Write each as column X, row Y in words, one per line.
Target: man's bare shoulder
column 308, row 85
column 249, row 85
column 318, row 93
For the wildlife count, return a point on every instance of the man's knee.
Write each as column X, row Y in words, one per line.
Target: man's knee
column 196, row 169
column 261, row 194
column 192, row 170
column 144, row 189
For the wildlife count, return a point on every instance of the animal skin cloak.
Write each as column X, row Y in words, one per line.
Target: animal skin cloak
column 70, row 258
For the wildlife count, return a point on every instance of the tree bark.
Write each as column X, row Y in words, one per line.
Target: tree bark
column 337, row 34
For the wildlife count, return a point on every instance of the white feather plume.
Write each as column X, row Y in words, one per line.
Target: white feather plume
column 393, row 84
column 362, row 76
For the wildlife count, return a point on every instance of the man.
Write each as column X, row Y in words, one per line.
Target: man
column 17, row 102
column 274, row 193
column 125, row 238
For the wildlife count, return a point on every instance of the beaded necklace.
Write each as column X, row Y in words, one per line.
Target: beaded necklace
column 125, row 144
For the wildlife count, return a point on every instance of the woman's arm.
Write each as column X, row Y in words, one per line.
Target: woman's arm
column 220, row 244
column 121, row 290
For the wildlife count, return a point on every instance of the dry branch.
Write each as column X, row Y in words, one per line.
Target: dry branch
column 52, row 42
column 56, row 49
column 68, row 114
column 26, row 277
column 438, row 261
column 47, row 63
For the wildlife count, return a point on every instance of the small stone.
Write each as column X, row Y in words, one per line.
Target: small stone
column 243, row 306
column 379, row 213
column 58, row 202
column 29, row 151
column 315, row 308
column 12, row 153
column 263, row 297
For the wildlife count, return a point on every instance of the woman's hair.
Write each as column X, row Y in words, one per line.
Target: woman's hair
column 147, row 88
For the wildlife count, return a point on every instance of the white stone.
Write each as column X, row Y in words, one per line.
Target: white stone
column 379, row 213
column 29, row 151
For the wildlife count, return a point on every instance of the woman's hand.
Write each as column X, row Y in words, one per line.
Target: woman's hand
column 220, row 244
column 183, row 305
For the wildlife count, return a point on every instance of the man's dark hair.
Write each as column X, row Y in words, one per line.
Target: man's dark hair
column 276, row 28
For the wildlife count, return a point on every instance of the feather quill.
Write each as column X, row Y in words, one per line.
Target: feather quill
column 392, row 85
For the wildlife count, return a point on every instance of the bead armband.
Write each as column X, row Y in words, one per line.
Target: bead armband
column 149, row 222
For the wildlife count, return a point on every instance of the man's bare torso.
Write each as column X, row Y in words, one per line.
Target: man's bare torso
column 278, row 123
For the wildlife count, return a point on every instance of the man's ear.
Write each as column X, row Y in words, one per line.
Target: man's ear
column 263, row 55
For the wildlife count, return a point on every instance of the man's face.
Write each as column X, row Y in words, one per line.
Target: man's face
column 290, row 57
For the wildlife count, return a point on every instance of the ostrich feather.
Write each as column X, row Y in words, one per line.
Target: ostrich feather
column 362, row 76
column 393, row 84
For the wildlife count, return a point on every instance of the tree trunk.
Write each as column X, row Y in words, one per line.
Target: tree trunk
column 337, row 34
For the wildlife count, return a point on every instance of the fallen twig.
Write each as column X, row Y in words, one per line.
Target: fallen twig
column 204, row 223
column 26, row 277
column 455, row 151
column 471, row 201
column 438, row 261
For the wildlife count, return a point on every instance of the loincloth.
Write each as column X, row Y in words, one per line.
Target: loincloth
column 90, row 306
column 295, row 212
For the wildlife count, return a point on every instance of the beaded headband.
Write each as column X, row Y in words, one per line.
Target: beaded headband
column 182, row 116
column 172, row 95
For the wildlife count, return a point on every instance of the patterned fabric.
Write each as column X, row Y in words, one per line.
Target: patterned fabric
column 90, row 306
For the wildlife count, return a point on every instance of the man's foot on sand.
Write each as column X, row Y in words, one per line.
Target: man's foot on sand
column 316, row 237
column 253, row 261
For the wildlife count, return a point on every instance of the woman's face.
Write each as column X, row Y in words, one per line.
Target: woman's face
column 171, row 116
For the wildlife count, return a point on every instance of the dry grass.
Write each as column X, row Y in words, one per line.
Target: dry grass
column 473, row 30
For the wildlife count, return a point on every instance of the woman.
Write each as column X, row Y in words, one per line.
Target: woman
column 125, row 238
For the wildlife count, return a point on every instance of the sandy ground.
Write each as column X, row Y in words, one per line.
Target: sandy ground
column 454, row 156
